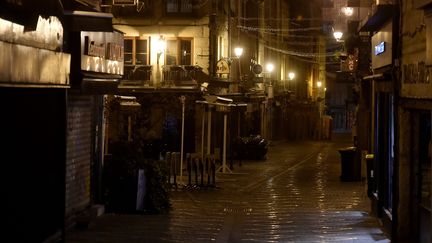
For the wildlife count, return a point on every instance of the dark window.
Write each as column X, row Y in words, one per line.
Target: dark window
column 328, row 4
column 179, row 6
column 185, row 52
column 128, row 51
column 353, row 3
column 136, row 51
column 141, row 53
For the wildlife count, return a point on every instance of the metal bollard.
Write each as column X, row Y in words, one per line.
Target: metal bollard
column 174, row 161
column 195, row 168
column 208, row 170
column 189, row 168
column 168, row 163
column 201, row 170
column 213, row 169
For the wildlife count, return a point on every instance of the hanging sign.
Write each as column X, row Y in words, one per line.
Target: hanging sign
column 222, row 67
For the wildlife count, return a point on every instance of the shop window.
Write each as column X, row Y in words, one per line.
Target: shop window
column 178, row 52
column 136, row 51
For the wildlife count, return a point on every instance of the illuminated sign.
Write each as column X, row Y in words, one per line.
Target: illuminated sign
column 380, row 48
column 102, row 52
column 222, row 67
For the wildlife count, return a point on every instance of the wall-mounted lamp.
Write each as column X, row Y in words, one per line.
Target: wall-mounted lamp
column 319, row 84
column 160, row 47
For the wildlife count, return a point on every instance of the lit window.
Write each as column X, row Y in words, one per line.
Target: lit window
column 179, row 52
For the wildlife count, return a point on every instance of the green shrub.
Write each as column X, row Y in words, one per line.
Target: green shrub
column 121, row 177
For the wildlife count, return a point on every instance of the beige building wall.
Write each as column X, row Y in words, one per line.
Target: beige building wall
column 198, row 31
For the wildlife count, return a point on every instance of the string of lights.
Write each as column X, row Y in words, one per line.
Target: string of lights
column 302, row 54
column 278, row 29
column 293, row 53
column 273, row 30
column 278, row 19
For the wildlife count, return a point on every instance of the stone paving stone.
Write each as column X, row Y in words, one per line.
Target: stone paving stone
column 293, row 196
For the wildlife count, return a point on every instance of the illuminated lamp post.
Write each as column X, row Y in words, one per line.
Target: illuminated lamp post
column 291, row 76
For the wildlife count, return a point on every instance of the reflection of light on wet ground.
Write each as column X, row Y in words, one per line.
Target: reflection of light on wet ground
column 303, row 203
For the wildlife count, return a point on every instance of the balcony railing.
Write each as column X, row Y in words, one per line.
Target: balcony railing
column 179, row 76
column 173, row 76
column 137, row 75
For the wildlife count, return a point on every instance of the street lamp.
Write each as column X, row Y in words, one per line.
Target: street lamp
column 238, row 51
column 337, row 35
column 291, row 76
column 348, row 11
column 269, row 68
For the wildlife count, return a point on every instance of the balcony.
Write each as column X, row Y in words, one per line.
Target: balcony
column 173, row 77
column 137, row 76
column 132, row 9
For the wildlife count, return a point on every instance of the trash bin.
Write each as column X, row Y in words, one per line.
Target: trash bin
column 350, row 164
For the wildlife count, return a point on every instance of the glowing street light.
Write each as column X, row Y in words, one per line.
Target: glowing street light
column 270, row 67
column 348, row 11
column 238, row 51
column 337, row 35
column 291, row 75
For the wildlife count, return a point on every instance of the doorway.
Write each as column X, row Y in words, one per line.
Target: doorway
column 423, row 177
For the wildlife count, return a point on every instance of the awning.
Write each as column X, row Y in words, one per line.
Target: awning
column 382, row 13
column 99, row 86
column 88, row 21
column 95, row 83
column 378, row 76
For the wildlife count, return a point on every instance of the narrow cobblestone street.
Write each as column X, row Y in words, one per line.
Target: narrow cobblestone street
column 293, row 196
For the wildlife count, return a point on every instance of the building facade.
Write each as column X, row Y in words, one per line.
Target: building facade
column 396, row 96
column 33, row 106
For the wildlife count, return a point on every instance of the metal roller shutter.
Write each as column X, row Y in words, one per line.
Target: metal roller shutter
column 78, row 158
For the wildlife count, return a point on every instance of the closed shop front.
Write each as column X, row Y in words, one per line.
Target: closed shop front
column 79, row 151
column 33, row 121
column 96, row 66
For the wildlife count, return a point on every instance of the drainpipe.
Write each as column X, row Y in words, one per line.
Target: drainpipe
column 213, row 38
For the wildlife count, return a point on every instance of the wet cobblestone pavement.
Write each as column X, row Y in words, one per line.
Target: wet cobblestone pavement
column 293, row 196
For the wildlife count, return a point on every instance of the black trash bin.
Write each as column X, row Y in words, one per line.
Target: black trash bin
column 350, row 164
